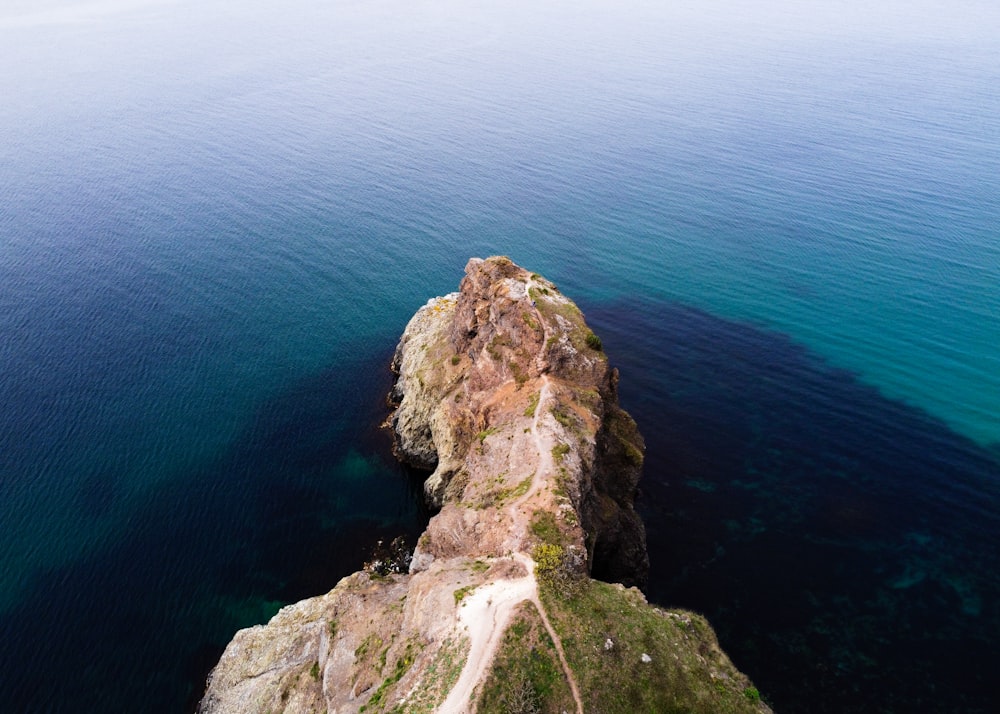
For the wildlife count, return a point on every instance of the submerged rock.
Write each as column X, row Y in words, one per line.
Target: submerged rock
column 505, row 396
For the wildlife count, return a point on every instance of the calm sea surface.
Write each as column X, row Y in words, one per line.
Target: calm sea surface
column 215, row 220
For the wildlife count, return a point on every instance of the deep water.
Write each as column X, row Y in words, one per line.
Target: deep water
column 782, row 221
column 843, row 544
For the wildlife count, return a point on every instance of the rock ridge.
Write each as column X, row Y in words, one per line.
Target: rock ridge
column 506, row 398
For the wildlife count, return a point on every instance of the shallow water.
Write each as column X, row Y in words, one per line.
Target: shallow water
column 214, row 226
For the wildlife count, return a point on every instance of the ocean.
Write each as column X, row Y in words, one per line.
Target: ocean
column 783, row 222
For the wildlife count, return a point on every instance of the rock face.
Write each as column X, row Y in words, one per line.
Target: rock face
column 469, row 366
column 507, row 398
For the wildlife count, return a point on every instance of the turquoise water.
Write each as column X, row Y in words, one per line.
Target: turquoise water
column 214, row 225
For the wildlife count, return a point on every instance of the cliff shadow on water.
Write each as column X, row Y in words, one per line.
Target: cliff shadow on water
column 842, row 544
column 298, row 500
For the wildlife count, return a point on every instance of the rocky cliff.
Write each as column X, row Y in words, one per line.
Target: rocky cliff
column 506, row 397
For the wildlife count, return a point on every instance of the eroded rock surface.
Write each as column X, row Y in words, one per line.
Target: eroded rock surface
column 507, row 398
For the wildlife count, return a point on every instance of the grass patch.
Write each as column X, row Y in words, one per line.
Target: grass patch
column 520, row 376
column 562, row 417
column 624, row 429
column 526, row 676
column 686, row 671
column 545, row 527
column 460, row 594
column 593, row 341
column 439, row 678
column 532, row 404
column 403, row 664
column 486, row 432
column 515, row 491
column 499, row 498
column 371, row 643
column 562, row 483
column 559, row 451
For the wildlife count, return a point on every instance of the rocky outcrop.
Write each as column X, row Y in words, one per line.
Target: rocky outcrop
column 470, row 364
column 506, row 397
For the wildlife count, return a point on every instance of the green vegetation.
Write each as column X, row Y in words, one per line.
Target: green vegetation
column 590, row 398
column 625, row 431
column 532, row 404
column 555, row 565
column 683, row 669
column 548, row 559
column 520, row 376
column 438, row 679
column 515, row 491
column 526, row 676
column 580, row 337
column 486, row 432
column 371, row 643
column 455, row 359
column 499, row 341
column 559, row 451
column 314, row 670
column 752, row 693
column 557, row 572
column 563, row 418
column 333, row 629
column 500, row 497
column 462, row 592
column 530, row 321
column 545, row 527
column 402, row 666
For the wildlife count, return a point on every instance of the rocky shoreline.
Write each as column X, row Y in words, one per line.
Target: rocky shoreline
column 506, row 397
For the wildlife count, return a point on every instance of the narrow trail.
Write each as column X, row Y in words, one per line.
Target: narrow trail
column 544, row 448
column 546, row 464
column 487, row 611
column 557, row 641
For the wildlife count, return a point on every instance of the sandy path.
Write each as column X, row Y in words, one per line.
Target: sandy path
column 486, row 612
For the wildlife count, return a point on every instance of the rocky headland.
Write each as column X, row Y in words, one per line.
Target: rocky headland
column 506, row 397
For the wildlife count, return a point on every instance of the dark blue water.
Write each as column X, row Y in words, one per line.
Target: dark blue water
column 843, row 542
column 214, row 225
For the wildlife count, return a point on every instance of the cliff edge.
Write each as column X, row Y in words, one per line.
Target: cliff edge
column 506, row 397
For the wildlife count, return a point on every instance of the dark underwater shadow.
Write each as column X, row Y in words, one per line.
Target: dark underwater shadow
column 298, row 501
column 844, row 545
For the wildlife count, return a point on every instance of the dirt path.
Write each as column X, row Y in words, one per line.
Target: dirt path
column 487, row 611
column 486, row 614
column 546, row 464
column 557, row 641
